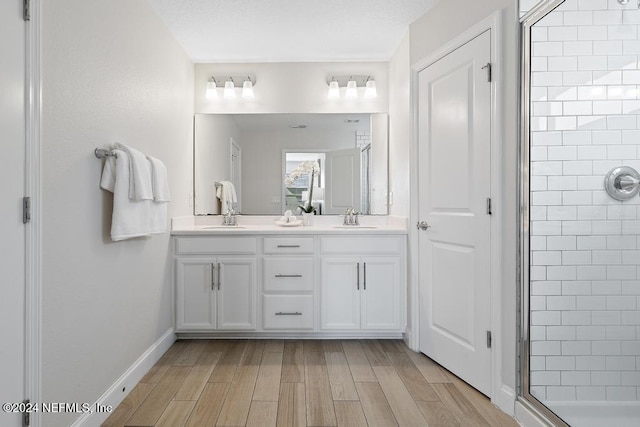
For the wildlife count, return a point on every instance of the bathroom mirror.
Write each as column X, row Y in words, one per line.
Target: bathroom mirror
column 256, row 152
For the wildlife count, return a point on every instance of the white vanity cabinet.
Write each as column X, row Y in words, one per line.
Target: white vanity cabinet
column 216, row 283
column 361, row 283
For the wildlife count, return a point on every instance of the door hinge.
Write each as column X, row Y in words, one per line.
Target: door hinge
column 26, row 11
column 488, row 339
column 488, row 205
column 26, row 209
column 26, row 417
column 488, row 67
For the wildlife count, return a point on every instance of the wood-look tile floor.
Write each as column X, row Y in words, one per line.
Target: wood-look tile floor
column 302, row 383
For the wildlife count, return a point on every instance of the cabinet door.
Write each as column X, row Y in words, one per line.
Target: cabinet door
column 237, row 293
column 339, row 294
column 195, row 297
column 380, row 293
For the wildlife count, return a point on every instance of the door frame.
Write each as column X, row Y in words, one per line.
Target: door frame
column 502, row 395
column 33, row 229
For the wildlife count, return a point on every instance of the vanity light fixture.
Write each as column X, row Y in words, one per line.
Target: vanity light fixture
column 228, row 85
column 352, row 83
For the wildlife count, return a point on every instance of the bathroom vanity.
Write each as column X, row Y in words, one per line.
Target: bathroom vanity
column 259, row 279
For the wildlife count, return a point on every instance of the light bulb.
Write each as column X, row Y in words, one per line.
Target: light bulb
column 370, row 90
column 352, row 89
column 334, row 90
column 212, row 91
column 247, row 89
column 229, row 89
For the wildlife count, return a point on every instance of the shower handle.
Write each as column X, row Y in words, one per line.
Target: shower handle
column 622, row 183
column 627, row 183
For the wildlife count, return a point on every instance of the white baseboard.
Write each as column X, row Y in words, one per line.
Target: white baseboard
column 123, row 385
column 505, row 399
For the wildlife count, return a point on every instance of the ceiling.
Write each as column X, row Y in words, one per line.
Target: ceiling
column 289, row 30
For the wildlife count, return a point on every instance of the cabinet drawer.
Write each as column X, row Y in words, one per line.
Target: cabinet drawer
column 288, row 274
column 288, row 311
column 362, row 245
column 217, row 245
column 288, row 245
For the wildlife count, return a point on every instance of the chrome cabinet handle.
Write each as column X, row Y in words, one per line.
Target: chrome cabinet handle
column 213, row 282
column 295, row 313
column 288, row 275
column 219, row 268
column 364, row 267
column 423, row 225
column 288, row 246
column 358, row 276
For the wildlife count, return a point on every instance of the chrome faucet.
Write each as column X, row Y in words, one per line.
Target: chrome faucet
column 351, row 217
column 230, row 218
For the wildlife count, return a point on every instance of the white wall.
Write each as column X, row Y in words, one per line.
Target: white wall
column 292, row 88
column 441, row 24
column 111, row 72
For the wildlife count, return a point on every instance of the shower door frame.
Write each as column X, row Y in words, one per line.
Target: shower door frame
column 524, row 396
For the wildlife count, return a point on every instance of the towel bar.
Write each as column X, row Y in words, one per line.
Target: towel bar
column 101, row 153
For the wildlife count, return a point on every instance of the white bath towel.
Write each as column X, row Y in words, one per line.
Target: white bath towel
column 159, row 180
column 226, row 192
column 140, row 185
column 130, row 218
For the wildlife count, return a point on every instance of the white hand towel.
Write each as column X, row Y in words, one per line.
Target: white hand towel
column 226, row 192
column 159, row 180
column 130, row 218
column 140, row 187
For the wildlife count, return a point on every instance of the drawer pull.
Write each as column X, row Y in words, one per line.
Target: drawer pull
column 288, row 246
column 364, row 268
column 288, row 275
column 295, row 313
column 358, row 278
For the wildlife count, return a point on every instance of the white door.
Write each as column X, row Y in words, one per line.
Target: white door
column 196, row 291
column 236, row 172
column 454, row 184
column 236, row 293
column 380, row 293
column 340, row 293
column 12, row 230
column 342, row 181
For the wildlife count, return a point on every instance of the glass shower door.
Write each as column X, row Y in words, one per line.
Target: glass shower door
column 581, row 211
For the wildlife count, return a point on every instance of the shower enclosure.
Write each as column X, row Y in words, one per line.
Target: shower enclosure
column 580, row 213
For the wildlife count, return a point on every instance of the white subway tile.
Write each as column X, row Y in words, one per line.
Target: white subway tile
column 630, row 77
column 576, row 228
column 545, row 348
column 579, row 78
column 606, row 348
column 562, row 63
column 577, row 108
column 606, row 318
column 630, row 106
column 537, row 303
column 631, row 227
column 611, row 77
column 631, row 379
column 557, row 243
column 543, row 49
column 576, row 257
column 539, row 94
column 562, row 93
column 620, row 272
column 618, row 394
column 571, row 377
column 562, row 153
column 570, row 198
column 561, row 333
column 592, row 122
column 607, row 137
column 558, row 183
column 631, row 257
column 561, row 273
column 606, row 227
column 538, row 183
column 625, row 62
column 590, row 363
column 548, row 168
column 551, row 19
column 631, row 287
column 545, row 377
column 606, row 287
column 537, row 363
column 591, row 333
column 546, row 138
column 621, row 242
column 578, row 348
column 538, row 153
column 539, row 78
column 607, row 257
column 539, row 63
column 539, row 34
column 575, row 168
column 592, row 32
column 592, row 213
column 589, row 93
column 591, row 272
column 561, row 393
column 577, row 318
column 566, row 33
column 541, row 318
column 592, row 152
column 537, row 273
column 621, row 32
column 541, row 109
column 546, row 288
column 560, row 363
column 565, row 123
column 630, row 348
column 538, row 333
column 592, row 4
column 546, row 198
column 605, row 378
column 561, row 303
column 546, row 258
column 631, row 16
column 621, row 122
column 591, row 242
column 576, row 137
column 538, row 124
column 576, row 287
column 622, row 92
column 579, row 48
column 592, row 63
column 621, row 333
column 621, row 302
column 588, row 302
column 601, row 167
column 539, row 392
column 607, row 17
column 630, row 47
column 590, row 183
column 621, row 212
column 538, row 243
column 607, row 107
column 578, row 18
column 621, row 152
column 591, row 393
column 559, row 213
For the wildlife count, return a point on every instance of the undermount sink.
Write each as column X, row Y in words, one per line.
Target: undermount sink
column 230, row 227
column 355, row 227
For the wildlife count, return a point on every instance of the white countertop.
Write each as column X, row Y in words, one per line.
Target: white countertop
column 259, row 224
